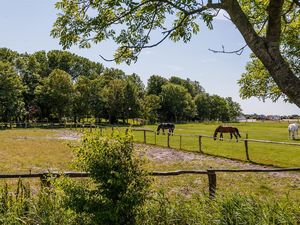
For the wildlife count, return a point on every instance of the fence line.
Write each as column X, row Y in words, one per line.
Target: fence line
column 200, row 136
column 211, row 175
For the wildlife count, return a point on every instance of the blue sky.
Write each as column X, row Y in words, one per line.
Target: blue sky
column 25, row 27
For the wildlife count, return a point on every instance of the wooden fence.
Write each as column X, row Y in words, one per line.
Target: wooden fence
column 200, row 137
column 211, row 175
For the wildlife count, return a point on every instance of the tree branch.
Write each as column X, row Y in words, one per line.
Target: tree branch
column 238, row 52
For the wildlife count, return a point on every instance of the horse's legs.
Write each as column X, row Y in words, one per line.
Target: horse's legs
column 221, row 136
column 163, row 130
column 235, row 136
column 231, row 135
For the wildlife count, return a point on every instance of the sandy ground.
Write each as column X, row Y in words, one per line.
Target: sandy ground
column 166, row 155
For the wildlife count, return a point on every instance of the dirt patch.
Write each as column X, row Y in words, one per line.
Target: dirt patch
column 69, row 135
column 159, row 154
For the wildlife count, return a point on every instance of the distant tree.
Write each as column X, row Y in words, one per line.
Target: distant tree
column 132, row 102
column 11, row 97
column 218, row 108
column 110, row 74
column 8, row 55
column 73, row 64
column 234, row 108
column 115, row 100
column 202, row 102
column 29, row 70
column 55, row 94
column 151, row 106
column 138, row 83
column 82, row 98
column 176, row 103
column 154, row 84
column 193, row 87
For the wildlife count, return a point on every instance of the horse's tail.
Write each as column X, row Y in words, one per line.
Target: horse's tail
column 237, row 131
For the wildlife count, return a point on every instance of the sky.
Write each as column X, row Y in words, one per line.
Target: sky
column 25, row 26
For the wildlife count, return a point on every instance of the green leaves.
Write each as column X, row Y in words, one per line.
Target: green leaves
column 128, row 23
column 11, row 93
column 120, row 184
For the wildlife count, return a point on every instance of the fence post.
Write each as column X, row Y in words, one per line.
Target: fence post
column 246, row 148
column 212, row 183
column 144, row 136
column 45, row 180
column 168, row 140
column 200, row 144
column 180, row 140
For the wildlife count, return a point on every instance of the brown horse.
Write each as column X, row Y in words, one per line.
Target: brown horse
column 227, row 129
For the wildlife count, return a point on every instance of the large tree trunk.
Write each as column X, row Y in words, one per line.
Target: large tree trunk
column 267, row 48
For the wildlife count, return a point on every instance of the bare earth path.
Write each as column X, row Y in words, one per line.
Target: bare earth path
column 165, row 155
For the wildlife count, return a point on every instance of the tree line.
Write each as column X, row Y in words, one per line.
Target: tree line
column 58, row 86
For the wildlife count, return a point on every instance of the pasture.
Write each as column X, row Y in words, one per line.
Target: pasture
column 260, row 153
column 36, row 150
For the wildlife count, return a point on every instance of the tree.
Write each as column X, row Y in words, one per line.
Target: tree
column 202, row 106
column 73, row 64
column 193, row 87
column 234, row 108
column 55, row 94
column 115, row 100
column 151, row 106
column 130, row 24
column 11, row 97
column 154, row 84
column 218, row 108
column 176, row 103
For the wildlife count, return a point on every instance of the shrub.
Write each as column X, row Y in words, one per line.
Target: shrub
column 119, row 182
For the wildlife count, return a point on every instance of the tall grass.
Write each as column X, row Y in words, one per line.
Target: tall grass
column 224, row 210
column 50, row 207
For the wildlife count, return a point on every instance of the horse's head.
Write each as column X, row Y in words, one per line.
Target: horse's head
column 216, row 132
column 158, row 128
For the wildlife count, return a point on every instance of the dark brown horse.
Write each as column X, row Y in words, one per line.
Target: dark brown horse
column 227, row 129
column 163, row 126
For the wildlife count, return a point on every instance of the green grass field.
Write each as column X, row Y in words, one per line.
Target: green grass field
column 262, row 153
column 36, row 150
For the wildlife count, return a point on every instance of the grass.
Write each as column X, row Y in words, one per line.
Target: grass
column 35, row 150
column 42, row 150
column 262, row 153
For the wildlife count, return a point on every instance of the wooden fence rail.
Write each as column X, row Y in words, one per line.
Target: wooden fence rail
column 201, row 136
column 211, row 174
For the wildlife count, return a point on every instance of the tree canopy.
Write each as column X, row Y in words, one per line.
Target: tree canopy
column 36, row 87
column 269, row 28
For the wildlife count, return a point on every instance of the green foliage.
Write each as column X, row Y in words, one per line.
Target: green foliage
column 154, row 84
column 176, row 103
column 257, row 81
column 21, row 207
column 151, row 108
column 55, row 94
column 11, row 88
column 120, row 184
column 224, row 210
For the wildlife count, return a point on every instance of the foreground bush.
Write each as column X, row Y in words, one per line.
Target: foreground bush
column 119, row 185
